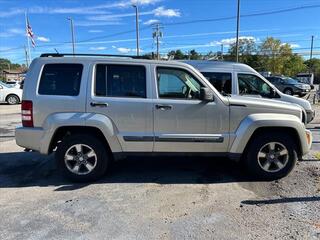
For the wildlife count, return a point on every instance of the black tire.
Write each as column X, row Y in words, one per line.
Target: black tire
column 288, row 91
column 251, row 156
column 12, row 99
column 102, row 157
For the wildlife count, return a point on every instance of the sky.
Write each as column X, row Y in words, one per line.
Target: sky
column 108, row 26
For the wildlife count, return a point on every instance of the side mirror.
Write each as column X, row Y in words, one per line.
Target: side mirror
column 206, row 94
column 273, row 93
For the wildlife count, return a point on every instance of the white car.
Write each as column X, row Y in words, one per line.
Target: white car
column 10, row 94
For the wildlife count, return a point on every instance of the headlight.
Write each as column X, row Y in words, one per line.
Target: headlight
column 299, row 86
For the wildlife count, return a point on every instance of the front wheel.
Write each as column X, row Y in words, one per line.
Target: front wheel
column 288, row 91
column 271, row 156
column 82, row 158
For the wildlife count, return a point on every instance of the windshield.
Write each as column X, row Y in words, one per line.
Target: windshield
column 291, row 80
column 7, row 85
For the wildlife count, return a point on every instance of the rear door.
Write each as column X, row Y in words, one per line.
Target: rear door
column 121, row 91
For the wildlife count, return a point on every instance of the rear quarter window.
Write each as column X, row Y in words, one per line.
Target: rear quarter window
column 60, row 79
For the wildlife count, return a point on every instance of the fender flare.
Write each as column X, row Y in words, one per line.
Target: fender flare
column 251, row 123
column 54, row 121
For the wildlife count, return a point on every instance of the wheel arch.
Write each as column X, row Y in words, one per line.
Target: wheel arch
column 254, row 124
column 287, row 130
column 64, row 131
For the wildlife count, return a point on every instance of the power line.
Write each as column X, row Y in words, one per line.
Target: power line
column 244, row 15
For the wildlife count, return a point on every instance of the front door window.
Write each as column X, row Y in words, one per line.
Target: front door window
column 250, row 84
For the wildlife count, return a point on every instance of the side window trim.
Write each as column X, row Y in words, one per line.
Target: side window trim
column 59, row 63
column 94, row 72
column 176, row 68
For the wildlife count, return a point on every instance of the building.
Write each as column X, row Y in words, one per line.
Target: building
column 13, row 75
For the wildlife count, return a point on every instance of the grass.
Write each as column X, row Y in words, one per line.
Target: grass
column 317, row 155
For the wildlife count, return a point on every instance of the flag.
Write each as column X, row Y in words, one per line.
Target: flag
column 30, row 33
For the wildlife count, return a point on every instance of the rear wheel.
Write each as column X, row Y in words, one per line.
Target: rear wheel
column 12, row 99
column 82, row 158
column 271, row 156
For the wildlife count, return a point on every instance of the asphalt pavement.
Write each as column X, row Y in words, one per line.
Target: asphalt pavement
column 154, row 198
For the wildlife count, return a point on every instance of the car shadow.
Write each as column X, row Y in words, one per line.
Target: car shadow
column 24, row 169
column 281, row 200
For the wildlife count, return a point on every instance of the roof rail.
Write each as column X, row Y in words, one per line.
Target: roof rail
column 91, row 55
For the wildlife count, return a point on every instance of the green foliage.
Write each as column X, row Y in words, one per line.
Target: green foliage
column 6, row 64
column 314, row 66
column 177, row 54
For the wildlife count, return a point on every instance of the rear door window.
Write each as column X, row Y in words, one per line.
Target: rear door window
column 60, row 79
column 120, row 81
column 220, row 80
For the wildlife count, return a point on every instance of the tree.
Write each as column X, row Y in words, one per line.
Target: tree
column 293, row 65
column 177, row 54
column 274, row 55
column 314, row 66
column 247, row 52
column 194, row 55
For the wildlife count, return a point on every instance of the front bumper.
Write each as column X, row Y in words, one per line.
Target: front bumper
column 309, row 139
column 310, row 115
column 301, row 91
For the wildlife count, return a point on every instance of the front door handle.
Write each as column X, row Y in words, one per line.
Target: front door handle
column 163, row 107
column 98, row 104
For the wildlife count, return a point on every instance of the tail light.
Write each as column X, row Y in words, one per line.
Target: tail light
column 26, row 113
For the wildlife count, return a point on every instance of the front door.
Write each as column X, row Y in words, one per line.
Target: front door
column 182, row 122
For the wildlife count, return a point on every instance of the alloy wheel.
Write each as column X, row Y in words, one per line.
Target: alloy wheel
column 273, row 157
column 80, row 159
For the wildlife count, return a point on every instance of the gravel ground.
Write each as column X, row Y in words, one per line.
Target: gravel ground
column 158, row 198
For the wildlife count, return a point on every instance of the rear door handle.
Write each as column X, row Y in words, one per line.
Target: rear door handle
column 163, row 107
column 98, row 104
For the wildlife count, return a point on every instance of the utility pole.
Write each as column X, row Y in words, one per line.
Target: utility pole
column 26, row 54
column 238, row 26
column 311, row 49
column 72, row 34
column 137, row 27
column 157, row 34
column 222, row 51
column 311, row 53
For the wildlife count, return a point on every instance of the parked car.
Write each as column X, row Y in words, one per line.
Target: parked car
column 92, row 110
column 290, row 86
column 241, row 79
column 307, row 78
column 10, row 94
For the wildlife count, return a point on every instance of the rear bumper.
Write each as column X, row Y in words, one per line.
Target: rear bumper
column 31, row 138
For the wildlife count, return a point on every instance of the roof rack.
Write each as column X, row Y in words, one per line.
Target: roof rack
column 91, row 55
